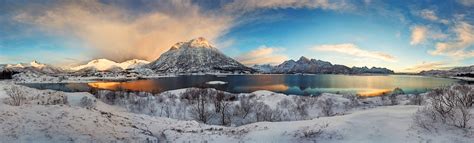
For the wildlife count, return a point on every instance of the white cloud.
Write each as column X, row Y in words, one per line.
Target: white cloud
column 458, row 47
column 428, row 14
column 353, row 50
column 262, row 55
column 418, row 35
column 466, row 2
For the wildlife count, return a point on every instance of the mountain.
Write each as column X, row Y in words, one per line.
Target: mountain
column 467, row 71
column 33, row 66
column 196, row 55
column 312, row 66
column 375, row 70
column 265, row 68
column 108, row 65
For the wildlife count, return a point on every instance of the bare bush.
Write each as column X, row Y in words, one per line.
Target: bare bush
column 87, row 102
column 326, row 106
column 311, row 132
column 245, row 107
column 416, row 99
column 263, row 112
column 52, row 98
column 449, row 106
column 200, row 110
column 393, row 97
column 301, row 106
column 17, row 95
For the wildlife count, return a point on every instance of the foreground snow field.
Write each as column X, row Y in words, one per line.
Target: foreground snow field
column 105, row 123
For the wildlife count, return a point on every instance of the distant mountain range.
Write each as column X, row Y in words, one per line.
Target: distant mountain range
column 33, row 66
column 467, row 71
column 312, row 66
column 196, row 56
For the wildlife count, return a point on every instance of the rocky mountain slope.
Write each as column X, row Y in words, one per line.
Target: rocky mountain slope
column 195, row 56
column 313, row 66
column 467, row 71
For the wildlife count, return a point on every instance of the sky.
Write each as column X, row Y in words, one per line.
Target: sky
column 403, row 35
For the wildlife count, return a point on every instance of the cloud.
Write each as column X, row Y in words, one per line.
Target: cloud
column 458, row 47
column 353, row 50
column 431, row 15
column 418, row 35
column 251, row 5
column 428, row 14
column 262, row 55
column 426, row 66
column 119, row 34
column 468, row 3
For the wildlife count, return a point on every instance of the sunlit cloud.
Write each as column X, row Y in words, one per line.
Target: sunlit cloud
column 262, row 55
column 426, row 66
column 354, row 50
column 117, row 35
column 458, row 47
column 418, row 35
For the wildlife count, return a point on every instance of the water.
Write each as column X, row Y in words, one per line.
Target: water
column 364, row 85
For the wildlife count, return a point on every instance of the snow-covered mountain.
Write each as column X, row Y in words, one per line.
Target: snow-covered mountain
column 313, row 66
column 265, row 68
column 194, row 56
column 108, row 65
column 33, row 66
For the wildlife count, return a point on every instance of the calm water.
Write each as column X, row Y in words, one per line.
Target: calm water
column 366, row 85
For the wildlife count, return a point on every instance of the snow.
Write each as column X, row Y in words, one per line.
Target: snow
column 105, row 64
column 106, row 123
column 216, row 82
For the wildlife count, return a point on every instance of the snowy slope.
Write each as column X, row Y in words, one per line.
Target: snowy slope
column 105, row 123
column 194, row 56
column 105, row 64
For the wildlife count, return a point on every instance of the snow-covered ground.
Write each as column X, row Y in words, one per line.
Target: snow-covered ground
column 72, row 122
column 216, row 82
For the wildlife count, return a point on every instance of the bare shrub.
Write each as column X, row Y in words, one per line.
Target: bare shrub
column 326, row 106
column 17, row 95
column 393, row 97
column 263, row 112
column 416, row 99
column 245, row 107
column 52, row 98
column 200, row 110
column 87, row 102
column 311, row 132
column 301, row 106
column 449, row 106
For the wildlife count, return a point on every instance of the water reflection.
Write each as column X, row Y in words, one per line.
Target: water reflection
column 288, row 84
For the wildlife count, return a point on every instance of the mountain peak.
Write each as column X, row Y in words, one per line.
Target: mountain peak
column 35, row 63
column 194, row 43
column 303, row 59
column 194, row 56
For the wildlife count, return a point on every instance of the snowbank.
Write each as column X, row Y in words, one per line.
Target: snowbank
column 216, row 82
column 106, row 123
